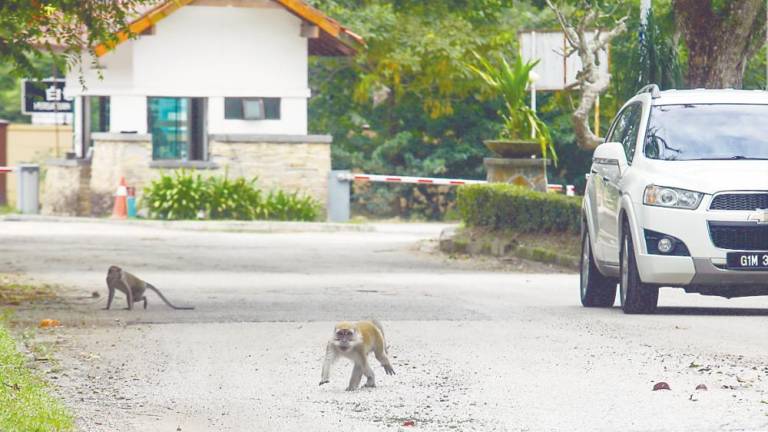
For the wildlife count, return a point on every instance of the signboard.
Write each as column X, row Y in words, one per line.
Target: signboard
column 555, row 71
column 46, row 96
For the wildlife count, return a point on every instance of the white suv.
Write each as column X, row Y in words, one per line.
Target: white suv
column 678, row 197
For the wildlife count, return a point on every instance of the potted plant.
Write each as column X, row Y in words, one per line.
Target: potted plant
column 509, row 81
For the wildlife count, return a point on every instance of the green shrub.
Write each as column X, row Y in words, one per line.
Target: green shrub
column 233, row 199
column 284, row 206
column 178, row 196
column 505, row 206
column 186, row 195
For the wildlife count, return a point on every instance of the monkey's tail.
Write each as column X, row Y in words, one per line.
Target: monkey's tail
column 162, row 297
column 381, row 330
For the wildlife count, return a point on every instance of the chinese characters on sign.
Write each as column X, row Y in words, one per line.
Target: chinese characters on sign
column 46, row 96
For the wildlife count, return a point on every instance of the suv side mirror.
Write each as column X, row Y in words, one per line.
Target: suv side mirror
column 611, row 153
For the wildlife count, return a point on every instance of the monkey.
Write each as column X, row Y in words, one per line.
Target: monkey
column 132, row 287
column 355, row 340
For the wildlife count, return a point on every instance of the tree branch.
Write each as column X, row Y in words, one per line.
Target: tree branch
column 591, row 80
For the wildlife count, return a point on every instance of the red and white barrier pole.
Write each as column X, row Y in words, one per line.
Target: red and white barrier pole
column 380, row 178
column 5, row 169
column 339, row 188
column 377, row 178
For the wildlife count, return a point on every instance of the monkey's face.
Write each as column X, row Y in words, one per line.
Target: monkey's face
column 113, row 270
column 344, row 338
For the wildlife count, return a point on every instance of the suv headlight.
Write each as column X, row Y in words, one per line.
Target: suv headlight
column 671, row 197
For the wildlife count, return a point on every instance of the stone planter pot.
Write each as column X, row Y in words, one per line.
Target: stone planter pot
column 514, row 149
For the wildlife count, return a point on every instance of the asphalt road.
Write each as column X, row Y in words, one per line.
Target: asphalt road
column 474, row 348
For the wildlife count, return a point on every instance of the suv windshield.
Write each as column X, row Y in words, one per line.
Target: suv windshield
column 707, row 132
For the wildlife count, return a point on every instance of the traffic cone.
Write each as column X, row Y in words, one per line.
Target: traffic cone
column 120, row 210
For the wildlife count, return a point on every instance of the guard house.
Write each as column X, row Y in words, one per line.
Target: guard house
column 212, row 85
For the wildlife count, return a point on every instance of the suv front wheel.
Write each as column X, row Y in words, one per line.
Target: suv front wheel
column 636, row 297
column 596, row 289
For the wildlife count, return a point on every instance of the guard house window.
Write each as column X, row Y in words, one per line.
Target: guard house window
column 99, row 113
column 251, row 108
column 177, row 126
column 95, row 119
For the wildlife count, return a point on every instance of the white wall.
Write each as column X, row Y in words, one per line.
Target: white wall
column 128, row 114
column 207, row 51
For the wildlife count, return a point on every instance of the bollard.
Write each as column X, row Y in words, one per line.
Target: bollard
column 131, row 202
column 339, row 185
column 27, row 197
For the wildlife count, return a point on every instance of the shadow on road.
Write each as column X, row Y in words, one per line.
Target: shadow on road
column 711, row 311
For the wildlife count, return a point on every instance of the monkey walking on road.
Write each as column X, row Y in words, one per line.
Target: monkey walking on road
column 355, row 341
column 132, row 287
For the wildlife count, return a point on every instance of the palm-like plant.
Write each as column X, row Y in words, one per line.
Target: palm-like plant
column 510, row 82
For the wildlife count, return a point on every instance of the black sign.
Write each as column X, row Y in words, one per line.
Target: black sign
column 46, row 96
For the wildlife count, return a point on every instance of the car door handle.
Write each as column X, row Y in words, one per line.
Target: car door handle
column 606, row 179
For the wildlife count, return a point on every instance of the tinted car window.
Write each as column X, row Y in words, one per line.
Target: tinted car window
column 626, row 128
column 707, row 132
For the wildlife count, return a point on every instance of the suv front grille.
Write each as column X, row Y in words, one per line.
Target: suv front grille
column 746, row 201
column 746, row 237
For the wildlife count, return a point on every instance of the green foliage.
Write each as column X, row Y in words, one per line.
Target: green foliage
column 187, row 195
column 61, row 29
column 284, row 206
column 182, row 195
column 10, row 86
column 237, row 199
column 504, row 206
column 651, row 57
column 510, row 83
column 407, row 104
column 25, row 402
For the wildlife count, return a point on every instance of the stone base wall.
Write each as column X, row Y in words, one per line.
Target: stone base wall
column 67, row 187
column 116, row 156
column 291, row 166
column 290, row 163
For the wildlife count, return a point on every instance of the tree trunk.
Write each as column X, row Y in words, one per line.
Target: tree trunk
column 720, row 43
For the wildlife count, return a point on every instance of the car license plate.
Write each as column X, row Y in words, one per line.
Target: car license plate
column 748, row 260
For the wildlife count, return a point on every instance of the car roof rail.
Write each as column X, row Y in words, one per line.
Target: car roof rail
column 653, row 89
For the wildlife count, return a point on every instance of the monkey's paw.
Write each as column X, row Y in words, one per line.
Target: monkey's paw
column 350, row 388
column 324, row 382
column 389, row 370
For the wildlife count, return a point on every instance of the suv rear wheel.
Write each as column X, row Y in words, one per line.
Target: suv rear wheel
column 596, row 289
column 636, row 297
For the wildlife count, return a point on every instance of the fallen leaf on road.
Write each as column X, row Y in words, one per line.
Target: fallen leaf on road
column 702, row 387
column 48, row 323
column 694, row 365
column 661, row 386
column 409, row 423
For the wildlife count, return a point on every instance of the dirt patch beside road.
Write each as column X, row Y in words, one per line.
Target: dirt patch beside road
column 553, row 252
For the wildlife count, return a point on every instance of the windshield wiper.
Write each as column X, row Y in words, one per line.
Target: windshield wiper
column 735, row 157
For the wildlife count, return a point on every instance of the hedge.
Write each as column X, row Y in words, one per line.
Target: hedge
column 187, row 195
column 503, row 206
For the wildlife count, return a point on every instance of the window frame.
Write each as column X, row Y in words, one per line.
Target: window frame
column 196, row 143
column 265, row 108
column 638, row 105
